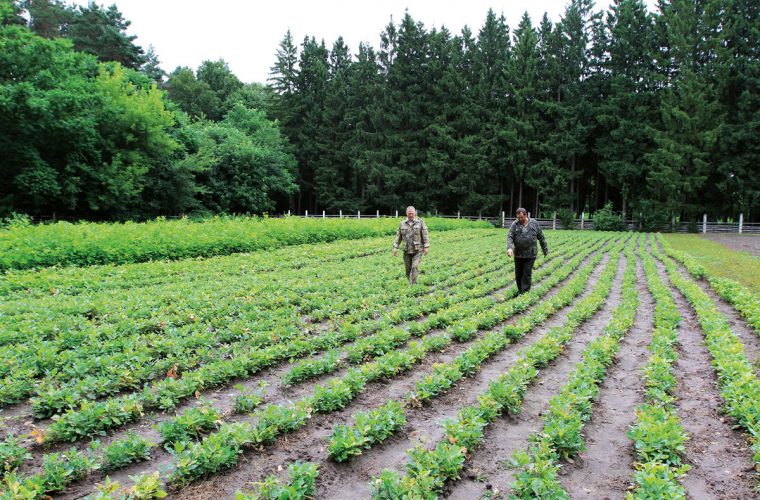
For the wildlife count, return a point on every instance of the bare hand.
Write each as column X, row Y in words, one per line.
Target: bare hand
column 395, row 252
column 509, row 252
column 425, row 250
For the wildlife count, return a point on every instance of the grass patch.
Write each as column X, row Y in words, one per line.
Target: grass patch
column 720, row 260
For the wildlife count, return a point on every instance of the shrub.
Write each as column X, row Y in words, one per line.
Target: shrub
column 606, row 220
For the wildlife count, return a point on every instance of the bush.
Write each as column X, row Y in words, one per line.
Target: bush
column 566, row 218
column 606, row 220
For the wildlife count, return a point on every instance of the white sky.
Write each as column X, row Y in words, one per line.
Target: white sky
column 246, row 33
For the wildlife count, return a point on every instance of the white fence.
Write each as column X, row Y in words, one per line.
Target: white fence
column 705, row 226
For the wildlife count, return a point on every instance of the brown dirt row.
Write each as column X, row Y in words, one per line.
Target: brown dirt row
column 738, row 324
column 604, row 470
column 719, row 455
column 488, row 470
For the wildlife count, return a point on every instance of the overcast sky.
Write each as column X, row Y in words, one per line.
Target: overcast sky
column 246, row 33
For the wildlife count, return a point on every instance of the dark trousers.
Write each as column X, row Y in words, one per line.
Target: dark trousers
column 523, row 273
column 412, row 265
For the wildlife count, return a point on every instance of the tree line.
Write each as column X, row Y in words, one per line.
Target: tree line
column 91, row 128
column 657, row 113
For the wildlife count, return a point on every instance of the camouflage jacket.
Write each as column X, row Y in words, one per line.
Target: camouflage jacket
column 413, row 234
column 522, row 239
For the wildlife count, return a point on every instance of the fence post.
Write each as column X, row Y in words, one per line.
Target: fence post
column 377, row 214
column 503, row 219
column 340, row 213
column 741, row 222
column 554, row 220
column 396, row 213
column 458, row 216
column 288, row 213
column 307, row 214
column 323, row 214
column 704, row 223
column 358, row 214
column 480, row 215
column 582, row 214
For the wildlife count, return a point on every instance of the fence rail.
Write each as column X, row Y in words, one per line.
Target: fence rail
column 583, row 223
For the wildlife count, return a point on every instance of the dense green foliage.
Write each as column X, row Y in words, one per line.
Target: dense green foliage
column 654, row 112
column 86, row 132
column 650, row 111
column 23, row 246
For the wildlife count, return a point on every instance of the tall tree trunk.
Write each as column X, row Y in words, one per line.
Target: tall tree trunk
column 501, row 196
column 572, row 184
column 511, row 199
column 624, row 207
column 519, row 196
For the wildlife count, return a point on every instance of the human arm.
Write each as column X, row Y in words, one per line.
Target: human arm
column 424, row 237
column 511, row 240
column 397, row 241
column 542, row 240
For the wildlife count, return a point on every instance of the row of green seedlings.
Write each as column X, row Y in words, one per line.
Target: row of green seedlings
column 739, row 385
column 740, row 297
column 94, row 417
column 384, row 341
column 185, row 347
column 561, row 437
column 61, row 469
column 221, row 450
column 84, row 309
column 73, row 281
column 428, row 469
column 191, row 425
column 302, row 479
column 348, row 441
column 187, row 317
column 185, row 353
column 657, row 434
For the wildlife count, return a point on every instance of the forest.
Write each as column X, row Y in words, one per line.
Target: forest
column 657, row 113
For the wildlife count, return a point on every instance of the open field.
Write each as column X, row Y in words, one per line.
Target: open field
column 729, row 256
column 315, row 370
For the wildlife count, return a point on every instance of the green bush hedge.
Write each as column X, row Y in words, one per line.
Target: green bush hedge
column 24, row 246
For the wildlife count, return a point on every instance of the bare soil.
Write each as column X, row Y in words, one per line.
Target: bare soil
column 749, row 243
column 489, row 469
column 605, row 469
column 719, row 455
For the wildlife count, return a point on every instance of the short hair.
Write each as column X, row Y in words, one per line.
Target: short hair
column 521, row 211
column 411, row 208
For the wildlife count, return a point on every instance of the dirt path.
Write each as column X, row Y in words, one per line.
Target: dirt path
column 605, row 469
column 749, row 243
column 720, row 457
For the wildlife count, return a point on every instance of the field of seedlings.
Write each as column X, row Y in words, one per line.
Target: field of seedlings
column 309, row 368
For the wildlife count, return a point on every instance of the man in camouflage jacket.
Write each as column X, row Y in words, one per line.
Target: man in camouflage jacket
column 413, row 233
column 521, row 244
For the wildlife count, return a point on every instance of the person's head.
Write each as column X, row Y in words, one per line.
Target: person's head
column 411, row 213
column 522, row 215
